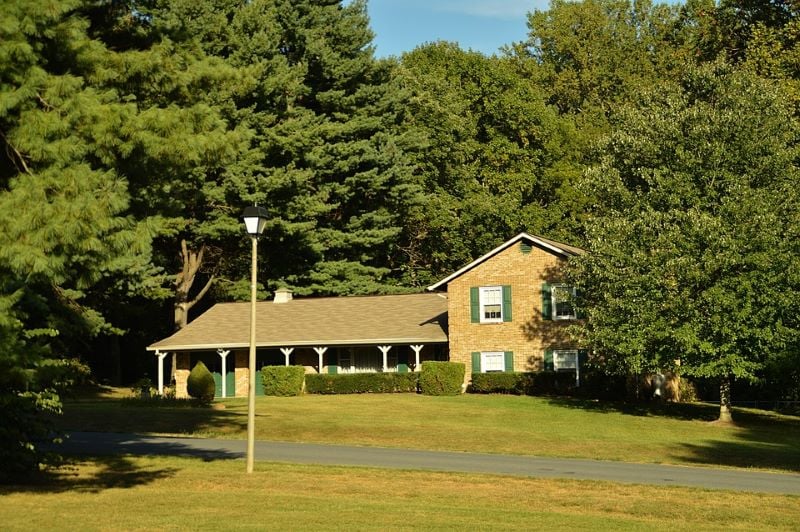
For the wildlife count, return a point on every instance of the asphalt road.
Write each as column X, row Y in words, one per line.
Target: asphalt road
column 97, row 443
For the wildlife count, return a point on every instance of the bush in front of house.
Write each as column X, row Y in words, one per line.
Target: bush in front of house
column 441, row 378
column 525, row 383
column 283, row 381
column 200, row 384
column 361, row 383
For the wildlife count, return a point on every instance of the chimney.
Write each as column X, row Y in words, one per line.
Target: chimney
column 282, row 295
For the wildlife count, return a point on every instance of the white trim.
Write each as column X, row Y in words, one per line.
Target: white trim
column 417, row 349
column 576, row 367
column 304, row 343
column 223, row 354
column 500, row 354
column 320, row 351
column 385, row 350
column 286, row 352
column 161, row 355
column 550, row 247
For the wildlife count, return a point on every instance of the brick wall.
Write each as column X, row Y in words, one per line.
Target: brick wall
column 182, row 369
column 527, row 335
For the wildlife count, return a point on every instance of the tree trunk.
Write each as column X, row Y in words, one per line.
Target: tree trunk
column 725, row 400
column 191, row 263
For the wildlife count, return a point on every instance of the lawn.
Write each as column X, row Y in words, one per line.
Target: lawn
column 676, row 434
column 159, row 493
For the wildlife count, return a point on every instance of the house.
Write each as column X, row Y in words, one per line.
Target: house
column 505, row 311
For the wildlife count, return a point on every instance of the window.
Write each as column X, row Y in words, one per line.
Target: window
column 565, row 359
column 491, row 304
column 493, row 361
column 563, row 296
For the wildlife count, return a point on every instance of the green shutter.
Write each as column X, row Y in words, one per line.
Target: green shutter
column 476, row 362
column 578, row 304
column 474, row 305
column 506, row 302
column 547, row 302
column 548, row 360
column 525, row 248
column 333, row 367
column 509, row 356
column 583, row 355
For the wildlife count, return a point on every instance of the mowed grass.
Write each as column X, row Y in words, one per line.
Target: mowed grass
column 159, row 493
column 679, row 434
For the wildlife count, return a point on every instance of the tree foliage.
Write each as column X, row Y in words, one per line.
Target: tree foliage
column 692, row 258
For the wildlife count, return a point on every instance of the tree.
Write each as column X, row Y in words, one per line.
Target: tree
column 692, row 256
column 498, row 159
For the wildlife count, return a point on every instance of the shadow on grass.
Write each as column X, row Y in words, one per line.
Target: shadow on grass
column 90, row 475
column 757, row 438
column 130, row 415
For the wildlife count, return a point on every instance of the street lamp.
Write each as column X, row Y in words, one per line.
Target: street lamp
column 255, row 220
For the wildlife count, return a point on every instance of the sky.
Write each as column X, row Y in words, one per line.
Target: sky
column 480, row 25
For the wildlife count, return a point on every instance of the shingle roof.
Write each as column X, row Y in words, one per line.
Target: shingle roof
column 327, row 321
column 551, row 246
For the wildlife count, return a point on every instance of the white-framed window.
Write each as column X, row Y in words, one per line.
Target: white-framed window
column 565, row 359
column 491, row 304
column 563, row 308
column 492, row 361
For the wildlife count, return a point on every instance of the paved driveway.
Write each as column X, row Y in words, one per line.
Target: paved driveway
column 97, row 443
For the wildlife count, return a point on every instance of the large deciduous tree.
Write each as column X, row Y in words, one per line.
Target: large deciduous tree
column 692, row 259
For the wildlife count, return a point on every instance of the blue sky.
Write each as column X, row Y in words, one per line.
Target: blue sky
column 480, row 25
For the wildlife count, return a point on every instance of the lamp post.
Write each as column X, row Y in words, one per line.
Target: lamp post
column 255, row 219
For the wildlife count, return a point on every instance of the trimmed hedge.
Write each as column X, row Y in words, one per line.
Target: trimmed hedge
column 283, row 381
column 528, row 383
column 322, row 383
column 441, row 378
column 200, row 383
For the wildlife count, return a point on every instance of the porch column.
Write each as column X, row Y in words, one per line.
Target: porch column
column 223, row 354
column 320, row 351
column 385, row 350
column 161, row 357
column 417, row 349
column 286, row 352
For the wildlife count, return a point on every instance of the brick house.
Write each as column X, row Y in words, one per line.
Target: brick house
column 505, row 311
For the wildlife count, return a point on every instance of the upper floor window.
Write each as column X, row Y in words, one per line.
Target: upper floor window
column 558, row 302
column 563, row 298
column 490, row 304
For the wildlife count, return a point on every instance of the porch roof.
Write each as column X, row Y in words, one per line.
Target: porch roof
column 325, row 321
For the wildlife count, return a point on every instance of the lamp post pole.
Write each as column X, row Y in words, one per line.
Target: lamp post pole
column 251, row 394
column 255, row 220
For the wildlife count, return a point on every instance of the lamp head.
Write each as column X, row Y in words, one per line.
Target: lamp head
column 255, row 219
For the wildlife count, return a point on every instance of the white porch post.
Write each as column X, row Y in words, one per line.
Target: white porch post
column 417, row 349
column 286, row 352
column 320, row 351
column 161, row 357
column 385, row 350
column 223, row 354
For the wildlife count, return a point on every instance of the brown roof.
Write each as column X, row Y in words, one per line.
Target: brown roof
column 327, row 321
column 551, row 246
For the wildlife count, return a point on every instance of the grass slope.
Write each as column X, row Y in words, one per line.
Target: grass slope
column 679, row 434
column 158, row 493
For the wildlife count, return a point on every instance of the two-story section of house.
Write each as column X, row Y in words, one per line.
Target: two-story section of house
column 508, row 310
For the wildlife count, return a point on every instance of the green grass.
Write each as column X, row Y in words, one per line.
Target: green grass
column 158, row 493
column 678, row 434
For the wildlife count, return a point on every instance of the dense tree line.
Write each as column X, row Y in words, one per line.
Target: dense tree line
column 660, row 137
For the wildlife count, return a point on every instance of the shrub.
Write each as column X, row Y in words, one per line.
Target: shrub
column 506, row 382
column 528, row 383
column 284, row 381
column 441, row 378
column 200, row 384
column 362, row 383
